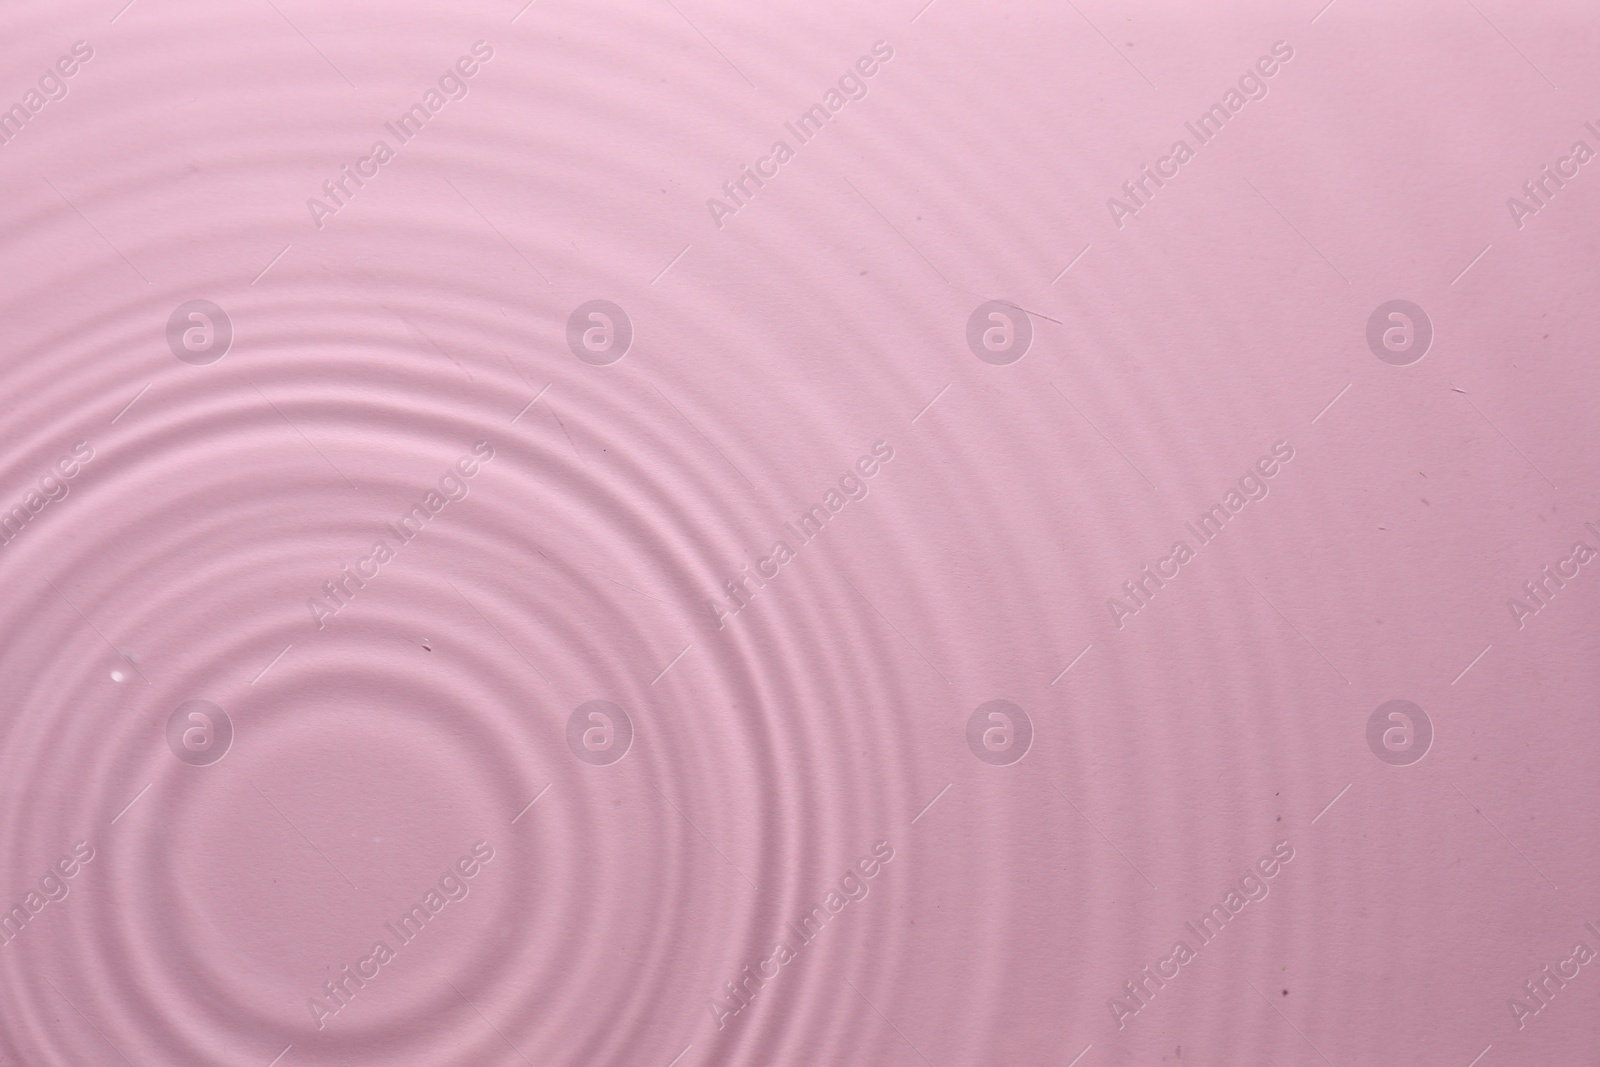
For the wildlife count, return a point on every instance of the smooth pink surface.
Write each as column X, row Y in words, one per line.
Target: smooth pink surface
column 805, row 345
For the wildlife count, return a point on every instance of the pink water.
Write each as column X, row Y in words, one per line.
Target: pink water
column 676, row 533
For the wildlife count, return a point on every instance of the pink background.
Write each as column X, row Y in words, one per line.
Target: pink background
column 768, row 355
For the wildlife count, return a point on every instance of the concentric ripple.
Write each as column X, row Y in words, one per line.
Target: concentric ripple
column 502, row 611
